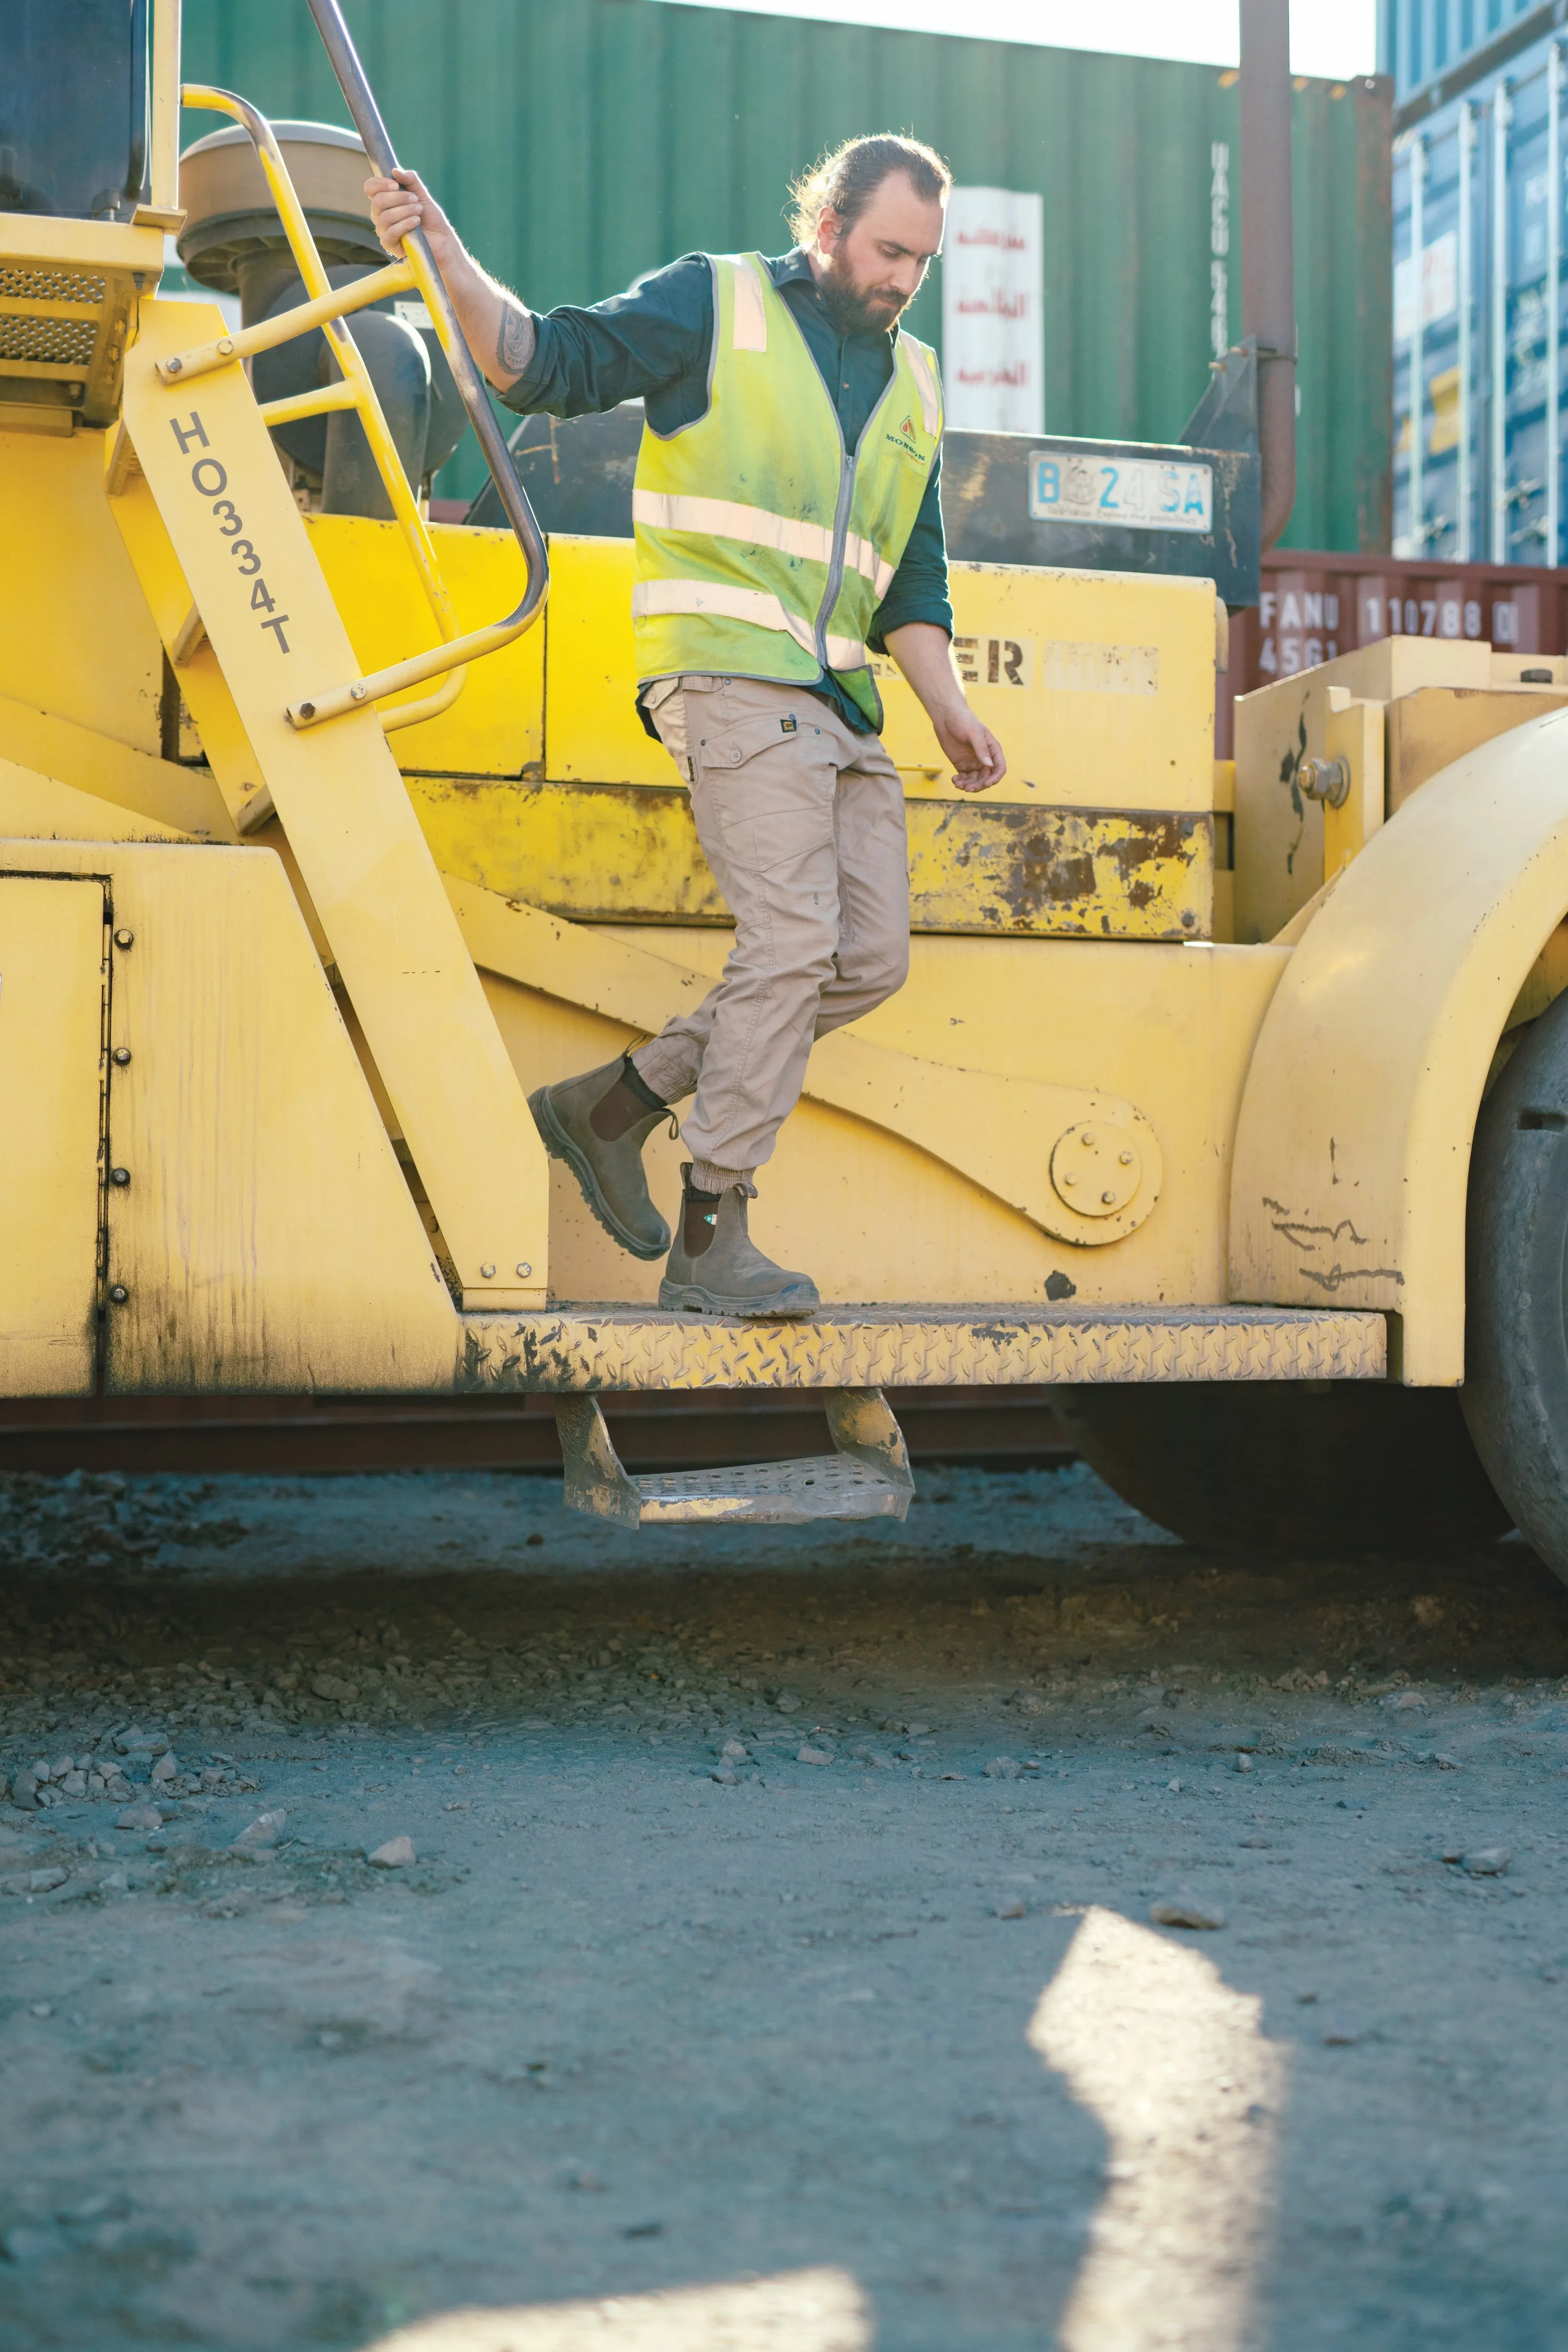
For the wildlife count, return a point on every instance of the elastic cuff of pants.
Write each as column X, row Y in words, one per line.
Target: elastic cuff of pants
column 662, row 1074
column 707, row 1178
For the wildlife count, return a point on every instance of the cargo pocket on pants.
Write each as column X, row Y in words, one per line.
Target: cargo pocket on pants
column 771, row 801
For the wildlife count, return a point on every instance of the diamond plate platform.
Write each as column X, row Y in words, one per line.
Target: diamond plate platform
column 578, row 1348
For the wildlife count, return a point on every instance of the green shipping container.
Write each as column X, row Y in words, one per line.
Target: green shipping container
column 579, row 143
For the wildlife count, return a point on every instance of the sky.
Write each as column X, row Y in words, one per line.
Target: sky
column 1332, row 37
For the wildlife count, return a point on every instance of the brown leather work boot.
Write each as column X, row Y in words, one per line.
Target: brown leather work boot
column 598, row 1123
column 716, row 1268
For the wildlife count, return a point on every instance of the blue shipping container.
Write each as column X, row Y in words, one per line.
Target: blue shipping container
column 1478, row 235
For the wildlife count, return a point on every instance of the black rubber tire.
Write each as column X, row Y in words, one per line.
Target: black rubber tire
column 1292, row 1469
column 1516, row 1323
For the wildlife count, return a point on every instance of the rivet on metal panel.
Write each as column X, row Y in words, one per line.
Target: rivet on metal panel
column 121, row 1055
column 118, row 1293
column 487, row 1271
column 124, row 939
column 120, row 1176
column 524, row 1267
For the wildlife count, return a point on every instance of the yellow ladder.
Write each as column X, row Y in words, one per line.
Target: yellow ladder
column 290, row 726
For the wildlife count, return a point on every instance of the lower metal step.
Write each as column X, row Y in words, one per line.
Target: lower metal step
column 869, row 1477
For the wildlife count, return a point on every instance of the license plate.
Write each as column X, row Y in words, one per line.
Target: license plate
column 1134, row 493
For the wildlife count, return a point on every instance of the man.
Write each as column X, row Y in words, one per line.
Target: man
column 788, row 525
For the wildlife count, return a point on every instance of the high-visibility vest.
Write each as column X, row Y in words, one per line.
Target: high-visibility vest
column 764, row 546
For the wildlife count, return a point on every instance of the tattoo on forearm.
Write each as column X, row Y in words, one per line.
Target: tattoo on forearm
column 514, row 345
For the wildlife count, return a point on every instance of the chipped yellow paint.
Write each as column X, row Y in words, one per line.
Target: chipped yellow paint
column 599, row 853
column 1061, row 873
column 629, row 853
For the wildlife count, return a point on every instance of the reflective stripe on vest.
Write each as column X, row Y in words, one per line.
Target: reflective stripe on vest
column 754, row 605
column 925, row 376
column 726, row 519
column 763, row 548
column 750, row 330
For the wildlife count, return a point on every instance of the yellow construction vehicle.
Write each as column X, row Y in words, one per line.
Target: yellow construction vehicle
column 324, row 839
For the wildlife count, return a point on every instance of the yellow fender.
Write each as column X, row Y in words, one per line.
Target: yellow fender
column 1352, row 1149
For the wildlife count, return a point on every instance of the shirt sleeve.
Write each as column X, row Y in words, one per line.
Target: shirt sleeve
column 918, row 591
column 654, row 339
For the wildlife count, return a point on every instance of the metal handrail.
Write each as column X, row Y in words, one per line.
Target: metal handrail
column 378, row 147
column 327, row 309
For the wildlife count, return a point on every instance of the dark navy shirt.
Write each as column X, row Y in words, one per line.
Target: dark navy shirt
column 655, row 343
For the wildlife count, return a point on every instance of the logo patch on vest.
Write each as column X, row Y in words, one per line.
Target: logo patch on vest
column 904, row 439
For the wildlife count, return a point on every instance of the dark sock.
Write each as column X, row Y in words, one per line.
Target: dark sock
column 637, row 1085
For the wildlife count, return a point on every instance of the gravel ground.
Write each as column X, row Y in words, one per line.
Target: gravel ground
column 429, row 1920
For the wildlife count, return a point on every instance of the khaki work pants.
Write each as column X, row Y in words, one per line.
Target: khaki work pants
column 802, row 824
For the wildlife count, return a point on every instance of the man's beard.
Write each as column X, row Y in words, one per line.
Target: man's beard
column 852, row 312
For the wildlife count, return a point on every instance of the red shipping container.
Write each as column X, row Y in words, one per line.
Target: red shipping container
column 1314, row 606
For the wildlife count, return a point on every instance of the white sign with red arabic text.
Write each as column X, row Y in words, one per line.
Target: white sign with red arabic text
column 992, row 311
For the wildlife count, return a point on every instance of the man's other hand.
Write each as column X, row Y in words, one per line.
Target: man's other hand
column 976, row 755
column 403, row 203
